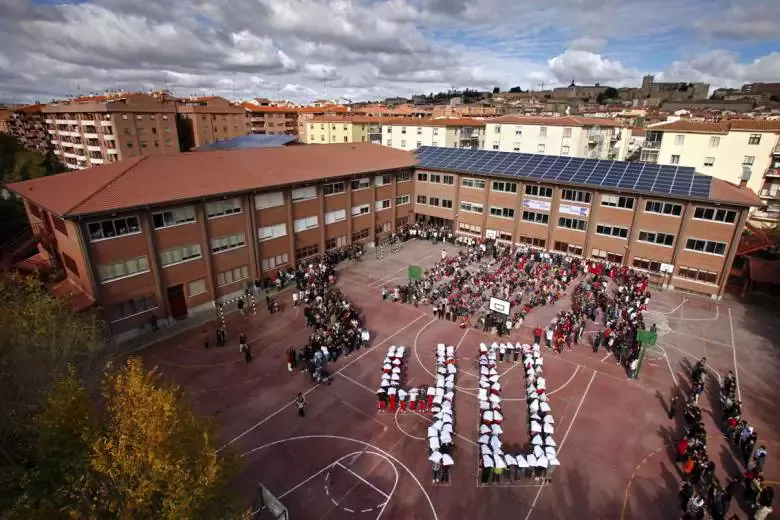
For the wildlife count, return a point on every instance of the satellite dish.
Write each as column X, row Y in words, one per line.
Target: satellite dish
column 746, row 173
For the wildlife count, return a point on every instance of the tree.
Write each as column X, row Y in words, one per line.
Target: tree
column 515, row 89
column 609, row 93
column 496, row 90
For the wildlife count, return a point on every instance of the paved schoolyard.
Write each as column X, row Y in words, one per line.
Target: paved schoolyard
column 344, row 460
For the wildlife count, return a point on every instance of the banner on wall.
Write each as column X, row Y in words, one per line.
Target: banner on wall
column 541, row 205
column 579, row 211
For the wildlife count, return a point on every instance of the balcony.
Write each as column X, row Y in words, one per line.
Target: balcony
column 109, row 137
column 55, row 141
column 652, row 145
column 67, row 144
column 51, row 132
column 770, row 215
column 595, row 138
column 772, row 193
column 91, row 135
column 88, row 122
column 49, row 121
column 69, row 155
column 78, row 145
column 772, row 173
column 81, row 158
column 93, row 160
column 92, row 148
column 112, row 151
column 63, row 121
column 57, row 152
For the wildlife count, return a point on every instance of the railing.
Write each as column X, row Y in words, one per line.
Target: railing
column 776, row 151
column 772, row 172
column 652, row 145
column 766, row 215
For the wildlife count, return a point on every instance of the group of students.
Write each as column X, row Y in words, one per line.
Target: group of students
column 701, row 490
column 391, row 393
column 441, row 434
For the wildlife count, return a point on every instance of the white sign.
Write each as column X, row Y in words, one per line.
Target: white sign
column 542, row 205
column 500, row 306
column 667, row 268
column 490, row 233
column 573, row 210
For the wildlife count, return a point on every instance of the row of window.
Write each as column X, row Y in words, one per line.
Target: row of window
column 753, row 139
column 434, row 201
column 435, row 178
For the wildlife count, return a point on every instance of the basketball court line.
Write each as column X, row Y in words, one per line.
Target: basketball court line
column 310, row 390
column 734, row 351
column 364, row 481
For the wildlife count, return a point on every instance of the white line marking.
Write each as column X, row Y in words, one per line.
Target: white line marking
column 462, row 338
column 366, row 482
column 566, row 436
column 734, row 351
column 310, row 390
column 669, row 364
column 397, row 425
column 347, row 509
column 357, row 383
column 367, row 445
column 384, row 279
column 605, row 357
column 457, row 434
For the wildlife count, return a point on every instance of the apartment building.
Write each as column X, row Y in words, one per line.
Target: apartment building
column 732, row 150
column 629, row 213
column 410, row 134
column 471, row 110
column 271, row 120
column 588, row 137
column 306, row 114
column 28, row 124
column 208, row 120
column 95, row 130
column 163, row 235
column 346, row 129
column 5, row 121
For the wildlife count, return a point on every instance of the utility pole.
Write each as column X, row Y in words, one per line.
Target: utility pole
column 541, row 86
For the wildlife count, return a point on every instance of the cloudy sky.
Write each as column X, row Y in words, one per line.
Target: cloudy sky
column 369, row 49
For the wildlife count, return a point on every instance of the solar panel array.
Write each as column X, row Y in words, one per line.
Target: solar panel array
column 250, row 141
column 680, row 181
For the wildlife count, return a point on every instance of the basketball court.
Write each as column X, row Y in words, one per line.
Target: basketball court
column 345, row 460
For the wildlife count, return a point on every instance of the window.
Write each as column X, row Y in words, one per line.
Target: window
column 565, row 149
column 434, row 178
column 573, row 223
column 612, row 231
column 497, row 129
column 275, row 261
column 383, row 180
column 333, row 243
column 495, row 146
column 471, row 207
column 542, row 131
column 196, row 287
column 505, row 236
column 108, row 272
column 718, row 215
column 403, row 142
column 448, row 179
column 538, row 191
column 532, row 241
column 446, row 203
column 433, row 201
column 403, row 130
column 360, row 235
column 576, row 196
column 422, row 177
column 363, row 209
column 477, row 184
column 748, row 160
column 705, row 246
column 518, row 130
column 173, row 217
column 332, row 188
column 307, row 193
column 382, row 204
column 271, row 232
column 567, row 248
column 334, row 216
column 269, row 200
column 401, row 200
column 606, row 255
column 507, row 187
column 679, row 140
column 113, row 228
column 470, row 229
column 714, row 142
column 648, row 265
column 540, row 148
column 307, row 251
column 179, row 254
column 422, row 199
column 617, row 201
column 675, row 159
column 302, row 224
column 59, row 225
column 131, row 308
column 434, row 143
column 232, row 275
column 697, row 275
column 419, row 130
column 664, row 208
column 516, row 147
column 502, row 212
column 536, row 218
column 754, row 139
column 221, row 208
column 360, row 184
column 228, row 242
column 405, row 176
column 70, row 264
column 651, row 237
column 567, row 132
column 709, row 161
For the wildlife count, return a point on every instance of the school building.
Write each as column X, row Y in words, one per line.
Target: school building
column 169, row 235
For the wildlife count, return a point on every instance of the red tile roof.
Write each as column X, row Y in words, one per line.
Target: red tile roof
column 30, row 108
column 556, row 121
column 444, row 121
column 287, row 110
column 164, row 179
column 724, row 191
column 722, row 127
column 347, row 118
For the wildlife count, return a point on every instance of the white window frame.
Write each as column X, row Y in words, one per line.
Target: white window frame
column 609, row 229
column 271, row 232
column 613, row 201
column 186, row 253
column 335, row 188
column 223, row 208
column 337, row 215
column 202, row 287
column 656, row 235
column 472, row 183
column 363, row 183
column 269, row 200
column 400, row 200
column 304, row 193
column 714, row 141
column 180, row 216
column 709, row 161
column 306, row 223
column 243, row 274
column 706, row 242
column 363, row 209
column 274, row 262
column 472, row 207
column 238, row 238
column 380, row 205
column 142, row 260
column 679, row 140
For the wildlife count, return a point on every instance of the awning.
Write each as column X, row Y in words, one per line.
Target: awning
column 753, row 240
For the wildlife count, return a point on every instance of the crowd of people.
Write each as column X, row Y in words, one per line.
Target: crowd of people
column 701, row 491
column 440, row 433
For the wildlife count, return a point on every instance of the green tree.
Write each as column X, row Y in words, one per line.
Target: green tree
column 515, row 89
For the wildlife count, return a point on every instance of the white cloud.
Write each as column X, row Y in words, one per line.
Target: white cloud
column 371, row 48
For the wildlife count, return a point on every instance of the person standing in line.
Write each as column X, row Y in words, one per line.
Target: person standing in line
column 300, row 403
column 295, row 298
column 634, row 367
column 673, row 402
column 241, row 306
column 244, row 348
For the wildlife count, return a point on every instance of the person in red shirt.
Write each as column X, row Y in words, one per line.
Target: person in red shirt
column 682, row 448
column 538, row 335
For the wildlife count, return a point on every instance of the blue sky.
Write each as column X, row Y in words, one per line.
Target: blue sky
column 368, row 49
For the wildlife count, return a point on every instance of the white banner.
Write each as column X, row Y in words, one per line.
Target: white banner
column 580, row 211
column 541, row 205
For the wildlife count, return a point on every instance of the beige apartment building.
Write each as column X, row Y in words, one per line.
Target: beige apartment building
column 90, row 131
column 307, row 114
column 271, row 120
column 345, row 129
column 588, row 137
column 736, row 150
column 410, row 134
column 209, row 119
column 28, row 124
column 5, row 121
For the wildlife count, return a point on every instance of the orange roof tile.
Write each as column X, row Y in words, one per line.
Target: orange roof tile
column 722, row 127
column 444, row 121
column 724, row 191
column 638, row 132
column 164, row 179
column 30, row 108
column 556, row 121
column 346, row 118
column 325, row 109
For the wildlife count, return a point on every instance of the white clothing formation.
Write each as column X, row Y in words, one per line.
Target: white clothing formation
column 489, row 399
column 543, row 453
column 392, row 368
column 441, row 432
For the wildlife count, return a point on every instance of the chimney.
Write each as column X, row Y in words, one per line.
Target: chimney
column 743, row 182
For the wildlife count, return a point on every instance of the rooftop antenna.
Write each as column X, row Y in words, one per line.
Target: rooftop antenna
column 541, row 86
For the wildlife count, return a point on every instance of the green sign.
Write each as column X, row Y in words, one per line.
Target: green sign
column 647, row 337
column 415, row 272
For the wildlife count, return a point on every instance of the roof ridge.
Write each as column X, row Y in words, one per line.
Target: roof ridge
column 104, row 186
